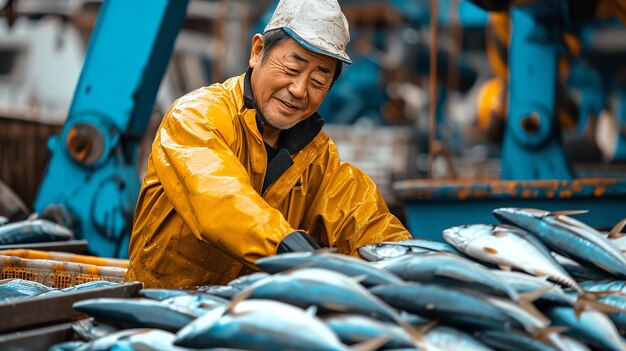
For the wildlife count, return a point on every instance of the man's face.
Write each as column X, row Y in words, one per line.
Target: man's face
column 292, row 82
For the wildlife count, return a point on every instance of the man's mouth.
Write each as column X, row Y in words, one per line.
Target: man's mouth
column 291, row 106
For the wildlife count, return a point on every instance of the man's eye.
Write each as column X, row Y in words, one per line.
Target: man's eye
column 292, row 70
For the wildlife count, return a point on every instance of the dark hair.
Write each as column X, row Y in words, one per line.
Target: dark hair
column 276, row 36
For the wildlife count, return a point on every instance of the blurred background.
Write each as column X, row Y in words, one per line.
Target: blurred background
column 387, row 113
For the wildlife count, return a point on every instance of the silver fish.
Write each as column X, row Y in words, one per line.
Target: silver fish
column 591, row 326
column 13, row 289
column 451, row 306
column 510, row 247
column 161, row 294
column 348, row 265
column 352, row 329
column 379, row 251
column 568, row 237
column 259, row 325
column 525, row 283
column 451, row 339
column 133, row 313
column 330, row 291
column 450, row 269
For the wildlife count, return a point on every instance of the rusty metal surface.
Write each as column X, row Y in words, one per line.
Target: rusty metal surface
column 40, row 311
column 37, row 339
column 71, row 246
column 421, row 189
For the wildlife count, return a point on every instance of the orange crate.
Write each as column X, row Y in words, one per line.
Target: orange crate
column 57, row 274
column 66, row 257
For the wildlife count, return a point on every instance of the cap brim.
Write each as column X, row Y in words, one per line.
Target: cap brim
column 308, row 46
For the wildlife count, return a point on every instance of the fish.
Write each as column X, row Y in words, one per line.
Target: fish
column 530, row 318
column 449, row 269
column 524, row 283
column 149, row 340
column 91, row 285
column 456, row 307
column 387, row 249
column 15, row 289
column 161, row 294
column 506, row 341
column 198, row 303
column 136, row 313
column 508, row 247
column 451, row 339
column 604, row 285
column 575, row 345
column 567, row 236
column 353, row 329
column 223, row 291
column 33, row 231
column 578, row 271
column 591, row 327
column 329, row 291
column 246, row 280
column 259, row 325
column 68, row 346
column 347, row 265
column 88, row 329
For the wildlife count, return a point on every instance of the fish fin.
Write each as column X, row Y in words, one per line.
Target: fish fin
column 531, row 296
column 543, row 334
column 616, row 232
column 567, row 213
column 359, row 278
column 371, row 344
column 417, row 333
column 230, row 309
column 490, row 250
column 590, row 299
column 504, row 268
column 33, row 216
column 312, row 310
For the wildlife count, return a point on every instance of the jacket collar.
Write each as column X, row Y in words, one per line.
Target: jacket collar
column 293, row 139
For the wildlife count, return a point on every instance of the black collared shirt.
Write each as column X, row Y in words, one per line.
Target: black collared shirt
column 290, row 141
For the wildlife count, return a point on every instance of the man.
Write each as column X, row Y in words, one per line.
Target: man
column 241, row 170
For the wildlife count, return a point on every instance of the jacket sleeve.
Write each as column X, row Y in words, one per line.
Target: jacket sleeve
column 209, row 187
column 348, row 210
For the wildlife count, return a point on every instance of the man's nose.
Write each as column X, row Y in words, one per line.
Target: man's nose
column 298, row 87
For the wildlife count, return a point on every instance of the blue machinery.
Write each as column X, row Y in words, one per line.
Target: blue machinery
column 92, row 171
column 533, row 164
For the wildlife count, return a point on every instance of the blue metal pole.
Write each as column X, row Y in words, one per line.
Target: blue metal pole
column 92, row 170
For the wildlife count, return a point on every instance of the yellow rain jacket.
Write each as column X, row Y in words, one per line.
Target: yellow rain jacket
column 202, row 217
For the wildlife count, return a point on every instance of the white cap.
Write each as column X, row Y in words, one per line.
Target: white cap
column 318, row 25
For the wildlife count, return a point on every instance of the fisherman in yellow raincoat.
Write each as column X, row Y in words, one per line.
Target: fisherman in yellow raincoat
column 242, row 170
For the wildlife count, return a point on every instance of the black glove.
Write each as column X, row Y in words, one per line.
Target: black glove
column 297, row 242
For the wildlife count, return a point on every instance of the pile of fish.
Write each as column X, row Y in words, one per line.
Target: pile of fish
column 12, row 290
column 32, row 230
column 540, row 281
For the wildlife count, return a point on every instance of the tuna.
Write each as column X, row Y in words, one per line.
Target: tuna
column 452, row 270
column 329, row 291
column 136, row 313
column 568, row 237
column 508, row 247
column 347, row 265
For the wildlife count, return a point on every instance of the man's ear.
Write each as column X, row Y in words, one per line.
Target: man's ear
column 256, row 52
